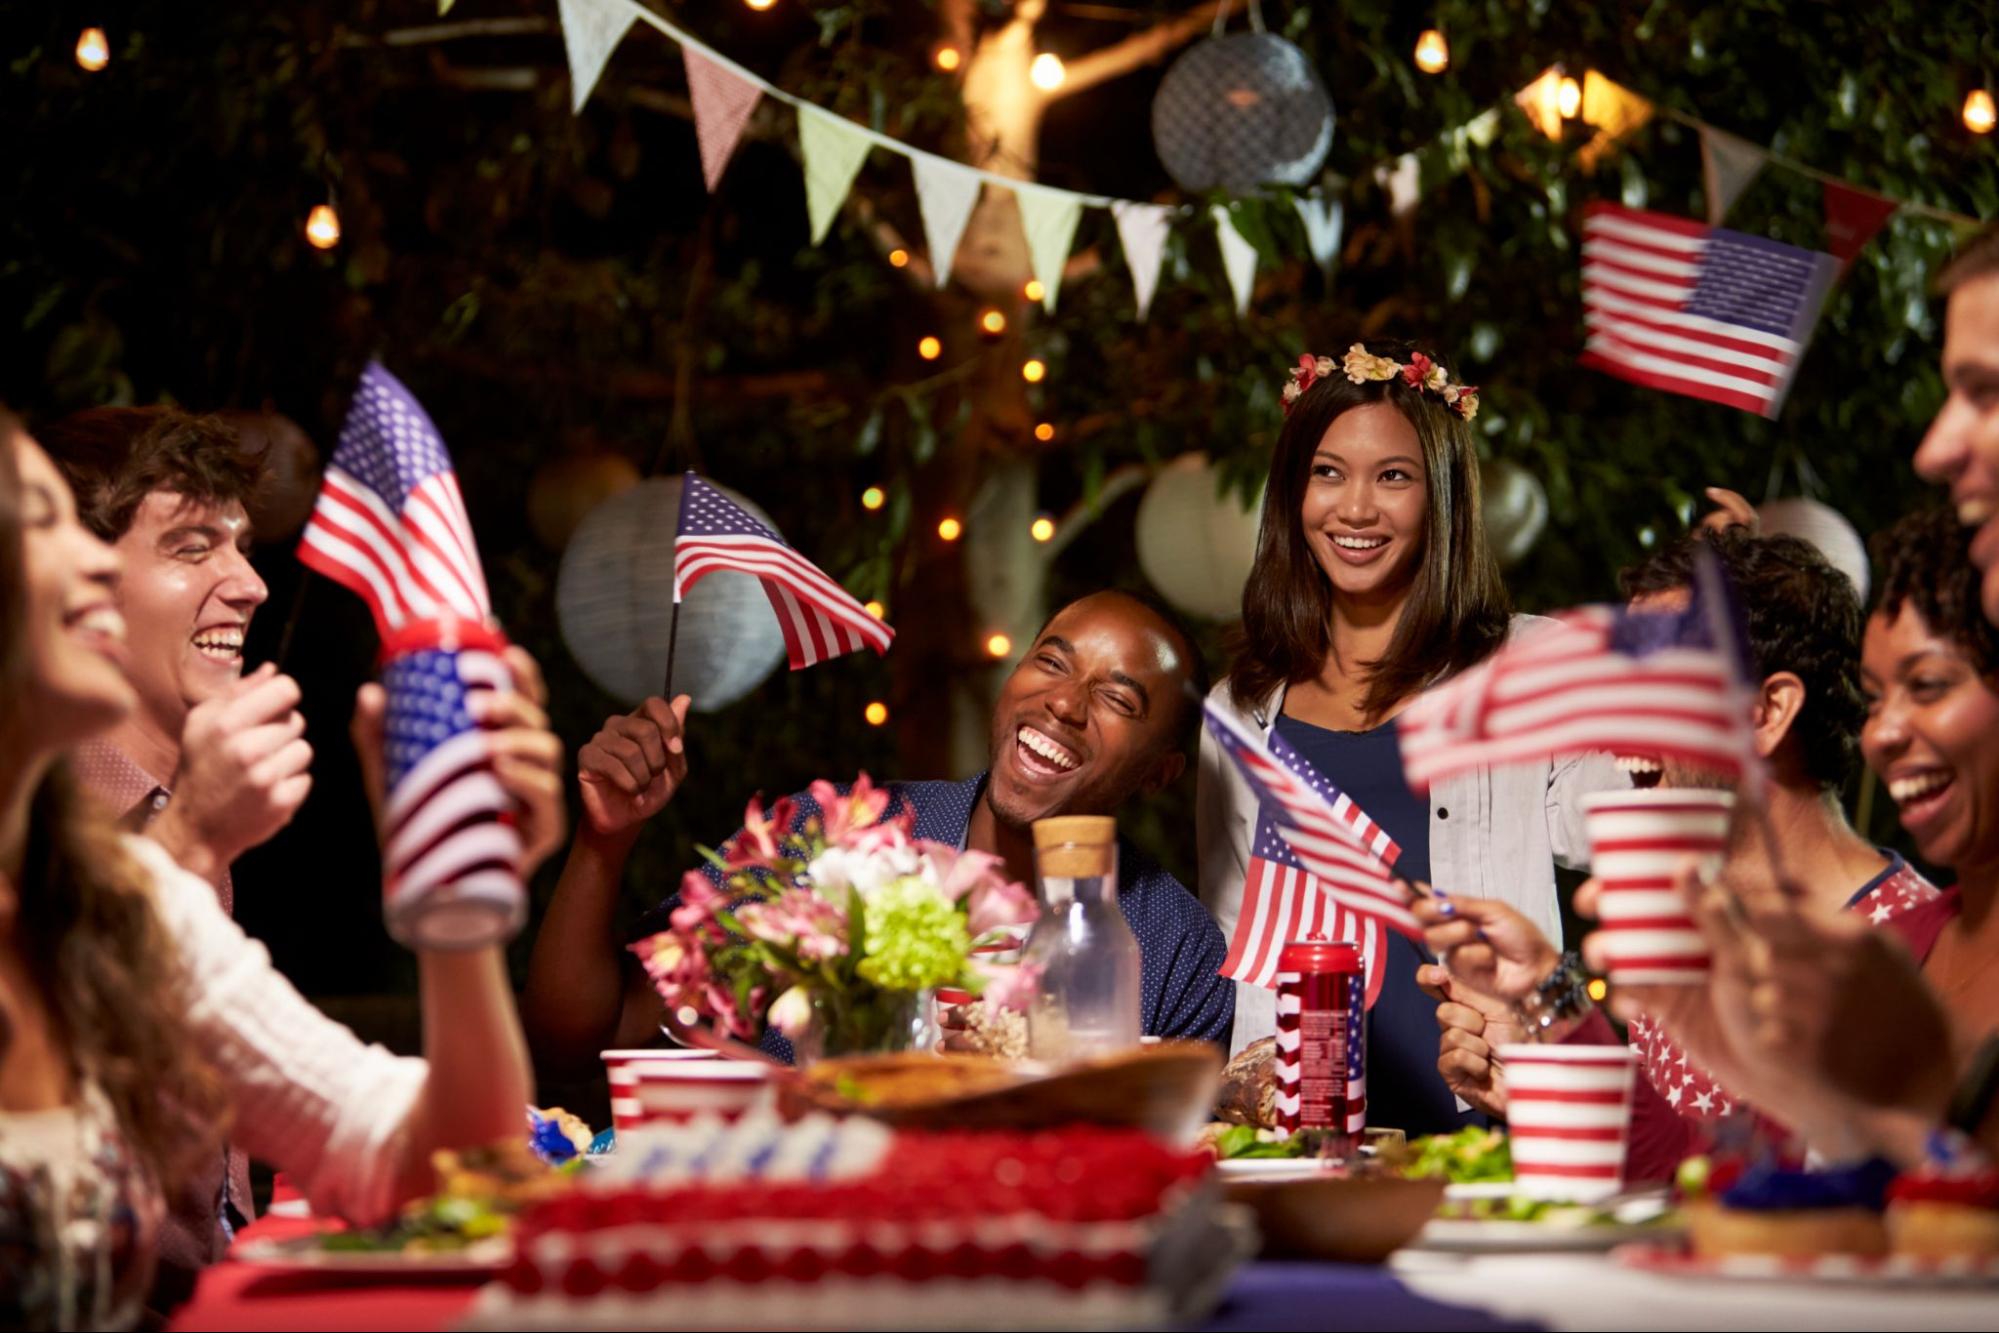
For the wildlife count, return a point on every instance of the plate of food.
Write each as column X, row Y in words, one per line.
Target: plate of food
column 1515, row 1225
column 375, row 1253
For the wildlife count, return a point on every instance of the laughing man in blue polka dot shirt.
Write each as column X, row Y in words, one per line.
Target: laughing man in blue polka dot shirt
column 1100, row 711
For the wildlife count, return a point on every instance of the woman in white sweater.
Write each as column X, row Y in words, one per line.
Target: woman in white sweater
column 1373, row 582
column 137, row 1022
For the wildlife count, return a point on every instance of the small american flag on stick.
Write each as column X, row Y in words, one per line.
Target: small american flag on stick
column 1607, row 678
column 819, row 618
column 1678, row 305
column 390, row 522
column 1319, row 865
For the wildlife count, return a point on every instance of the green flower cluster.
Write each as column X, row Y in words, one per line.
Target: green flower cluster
column 915, row 938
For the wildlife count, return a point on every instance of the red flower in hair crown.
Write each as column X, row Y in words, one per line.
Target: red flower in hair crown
column 1360, row 366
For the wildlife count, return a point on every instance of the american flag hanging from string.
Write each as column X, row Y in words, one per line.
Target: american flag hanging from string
column 390, row 522
column 1675, row 304
column 1318, row 866
column 819, row 618
column 1670, row 684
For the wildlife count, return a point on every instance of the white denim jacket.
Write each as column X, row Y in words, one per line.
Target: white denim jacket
column 1494, row 833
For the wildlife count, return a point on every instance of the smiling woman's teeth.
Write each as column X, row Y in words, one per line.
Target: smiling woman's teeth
column 1045, row 748
column 103, row 620
column 1360, row 543
column 1973, row 512
column 1905, row 790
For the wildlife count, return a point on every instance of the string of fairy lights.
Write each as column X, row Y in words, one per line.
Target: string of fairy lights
column 1432, row 55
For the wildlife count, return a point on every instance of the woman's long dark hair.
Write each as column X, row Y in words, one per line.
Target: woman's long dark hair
column 1457, row 609
column 85, row 926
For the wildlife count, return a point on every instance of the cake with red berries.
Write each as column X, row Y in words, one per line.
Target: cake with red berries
column 1938, row 1216
column 1076, row 1227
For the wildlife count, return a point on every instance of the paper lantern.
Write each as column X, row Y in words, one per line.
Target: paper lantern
column 614, row 602
column 1823, row 527
column 564, row 491
column 1242, row 111
column 288, row 472
column 1515, row 509
column 1195, row 543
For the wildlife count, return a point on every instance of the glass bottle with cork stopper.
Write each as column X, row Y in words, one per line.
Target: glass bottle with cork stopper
column 1082, row 950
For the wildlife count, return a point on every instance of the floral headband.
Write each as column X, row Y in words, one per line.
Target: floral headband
column 1360, row 366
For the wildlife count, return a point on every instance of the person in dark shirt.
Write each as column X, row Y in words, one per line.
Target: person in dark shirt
column 1100, row 711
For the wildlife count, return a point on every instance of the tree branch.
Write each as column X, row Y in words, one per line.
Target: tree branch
column 1142, row 48
column 448, row 32
column 1087, row 511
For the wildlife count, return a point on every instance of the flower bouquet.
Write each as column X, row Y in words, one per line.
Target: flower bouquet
column 830, row 932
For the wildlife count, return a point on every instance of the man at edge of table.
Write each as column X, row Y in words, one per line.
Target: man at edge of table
column 1099, row 711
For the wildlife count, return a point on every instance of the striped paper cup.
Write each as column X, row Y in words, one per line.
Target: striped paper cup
column 666, row 1087
column 1638, row 842
column 1568, row 1111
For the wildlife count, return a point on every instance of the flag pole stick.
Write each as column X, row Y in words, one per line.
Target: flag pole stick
column 672, row 643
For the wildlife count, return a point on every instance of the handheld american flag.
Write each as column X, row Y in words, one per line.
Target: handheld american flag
column 390, row 522
column 819, row 618
column 1678, row 305
column 1608, row 678
column 1319, row 865
column 450, row 851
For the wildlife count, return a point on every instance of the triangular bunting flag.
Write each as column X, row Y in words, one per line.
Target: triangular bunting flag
column 1238, row 258
column 1542, row 101
column 1141, row 230
column 1403, row 179
column 591, row 30
column 723, row 100
column 1324, row 219
column 1615, row 110
column 1851, row 219
column 1728, row 164
column 1049, row 219
column 945, row 194
column 833, row 151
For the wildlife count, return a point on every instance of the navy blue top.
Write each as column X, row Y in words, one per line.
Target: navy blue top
column 1181, row 949
column 1404, row 1089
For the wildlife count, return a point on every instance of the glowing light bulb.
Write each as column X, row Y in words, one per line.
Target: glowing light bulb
column 950, row 529
column 93, row 52
column 872, row 498
column 1433, row 53
column 322, row 227
column 760, row 5
column 1045, row 431
column 1598, row 988
column 930, row 348
column 1034, row 291
column 998, row 645
column 1043, row 528
column 1034, row 371
column 1979, row 113
column 948, row 58
column 876, row 713
column 993, row 322
column 1047, row 72
column 876, row 609
column 1569, row 99
column 898, row 258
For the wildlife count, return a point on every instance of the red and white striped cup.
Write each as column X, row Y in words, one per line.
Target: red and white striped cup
column 1568, row 1112
column 651, row 1087
column 1638, row 842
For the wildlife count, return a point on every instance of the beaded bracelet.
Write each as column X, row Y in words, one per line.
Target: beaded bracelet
column 1563, row 993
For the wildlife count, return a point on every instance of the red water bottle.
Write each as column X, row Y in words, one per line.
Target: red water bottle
column 1321, row 1037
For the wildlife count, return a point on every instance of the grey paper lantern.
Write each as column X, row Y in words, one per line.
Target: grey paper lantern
column 1516, row 509
column 1242, row 111
column 614, row 601
column 1824, row 527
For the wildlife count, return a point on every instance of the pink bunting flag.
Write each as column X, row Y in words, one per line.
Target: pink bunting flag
column 723, row 101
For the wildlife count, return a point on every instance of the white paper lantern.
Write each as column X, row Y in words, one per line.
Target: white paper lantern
column 1238, row 112
column 614, row 601
column 1196, row 544
column 1515, row 509
column 1824, row 527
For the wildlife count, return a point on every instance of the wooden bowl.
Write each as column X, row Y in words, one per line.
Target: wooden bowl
column 1348, row 1220
column 1164, row 1089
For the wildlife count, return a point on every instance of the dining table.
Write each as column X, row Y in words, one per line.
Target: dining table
column 1418, row 1289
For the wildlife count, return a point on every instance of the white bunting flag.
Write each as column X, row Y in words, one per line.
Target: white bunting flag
column 1403, row 179
column 1728, row 165
column 591, row 30
column 945, row 194
column 1141, row 230
column 1238, row 257
column 1324, row 220
column 1049, row 219
column 723, row 101
column 833, row 151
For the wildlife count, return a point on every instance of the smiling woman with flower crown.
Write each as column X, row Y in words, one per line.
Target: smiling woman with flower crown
column 1372, row 583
